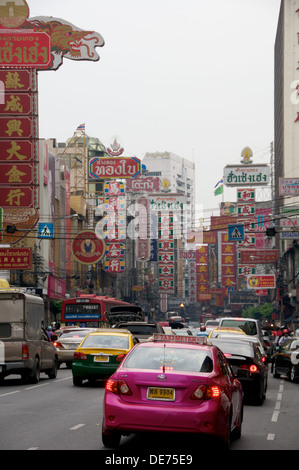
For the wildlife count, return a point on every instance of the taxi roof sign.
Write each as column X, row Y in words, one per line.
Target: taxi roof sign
column 180, row 339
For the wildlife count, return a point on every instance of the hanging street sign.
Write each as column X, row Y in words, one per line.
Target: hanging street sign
column 45, row 230
column 235, row 232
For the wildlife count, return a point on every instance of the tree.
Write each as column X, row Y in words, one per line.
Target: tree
column 260, row 312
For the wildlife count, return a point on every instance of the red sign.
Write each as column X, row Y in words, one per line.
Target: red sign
column 258, row 256
column 20, row 196
column 18, row 80
column 122, row 167
column 19, row 104
column 87, row 248
column 14, row 173
column 261, row 292
column 17, row 151
column 25, row 49
column 15, row 258
column 18, row 127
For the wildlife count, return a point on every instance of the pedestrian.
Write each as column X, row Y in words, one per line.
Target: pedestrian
column 284, row 337
column 49, row 332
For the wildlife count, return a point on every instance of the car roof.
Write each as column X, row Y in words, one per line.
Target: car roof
column 135, row 323
column 111, row 331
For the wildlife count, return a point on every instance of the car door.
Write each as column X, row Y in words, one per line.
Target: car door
column 231, row 388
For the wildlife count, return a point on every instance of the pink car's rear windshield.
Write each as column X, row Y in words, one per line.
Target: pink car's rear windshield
column 177, row 359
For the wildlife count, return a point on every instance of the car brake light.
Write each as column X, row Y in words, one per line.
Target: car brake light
column 251, row 367
column 206, row 392
column 263, row 359
column 58, row 345
column 120, row 357
column 119, row 387
column 81, row 356
column 25, row 351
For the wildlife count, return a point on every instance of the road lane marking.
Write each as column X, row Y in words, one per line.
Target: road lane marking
column 275, row 416
column 10, row 393
column 77, row 427
column 36, row 386
column 270, row 437
column 33, row 448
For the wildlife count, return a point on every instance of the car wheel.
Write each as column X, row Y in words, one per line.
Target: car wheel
column 111, row 439
column 52, row 374
column 292, row 375
column 77, row 381
column 35, row 375
column 259, row 400
column 276, row 375
column 238, row 430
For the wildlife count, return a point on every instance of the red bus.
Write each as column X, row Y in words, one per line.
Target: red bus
column 89, row 309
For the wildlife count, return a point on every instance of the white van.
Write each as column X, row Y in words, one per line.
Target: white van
column 250, row 326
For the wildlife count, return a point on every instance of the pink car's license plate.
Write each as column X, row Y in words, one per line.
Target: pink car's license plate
column 156, row 393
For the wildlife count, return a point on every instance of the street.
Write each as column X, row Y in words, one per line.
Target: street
column 55, row 415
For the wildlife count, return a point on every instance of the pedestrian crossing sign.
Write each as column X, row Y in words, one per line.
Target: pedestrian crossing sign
column 235, row 232
column 45, row 230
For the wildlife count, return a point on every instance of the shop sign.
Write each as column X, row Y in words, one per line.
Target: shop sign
column 266, row 281
column 143, row 184
column 15, row 258
column 87, row 248
column 122, row 167
column 25, row 49
column 247, row 175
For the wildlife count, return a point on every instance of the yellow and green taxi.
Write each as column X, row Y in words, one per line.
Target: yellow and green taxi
column 100, row 353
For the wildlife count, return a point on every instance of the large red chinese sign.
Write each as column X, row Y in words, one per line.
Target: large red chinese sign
column 19, row 151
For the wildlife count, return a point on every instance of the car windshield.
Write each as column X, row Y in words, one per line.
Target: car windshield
column 106, row 341
column 177, row 359
column 237, row 348
column 249, row 327
column 74, row 334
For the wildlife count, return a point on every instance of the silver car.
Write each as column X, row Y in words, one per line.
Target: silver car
column 67, row 343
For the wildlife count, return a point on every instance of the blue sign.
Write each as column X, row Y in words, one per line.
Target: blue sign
column 46, row 230
column 235, row 232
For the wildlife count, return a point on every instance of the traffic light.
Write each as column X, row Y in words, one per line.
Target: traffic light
column 270, row 232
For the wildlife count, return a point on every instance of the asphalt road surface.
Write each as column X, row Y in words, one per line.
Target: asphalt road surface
column 55, row 415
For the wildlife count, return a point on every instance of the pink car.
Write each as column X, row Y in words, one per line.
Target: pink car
column 173, row 384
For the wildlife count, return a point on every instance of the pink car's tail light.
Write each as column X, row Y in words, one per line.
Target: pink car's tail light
column 119, row 387
column 206, row 392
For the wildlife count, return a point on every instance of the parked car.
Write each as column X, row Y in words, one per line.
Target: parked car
column 175, row 384
column 100, row 353
column 248, row 366
column 67, row 343
column 286, row 360
column 141, row 330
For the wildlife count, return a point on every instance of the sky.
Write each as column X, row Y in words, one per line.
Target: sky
column 192, row 77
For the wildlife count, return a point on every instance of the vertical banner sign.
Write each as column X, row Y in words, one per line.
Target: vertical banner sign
column 19, row 196
column 26, row 46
